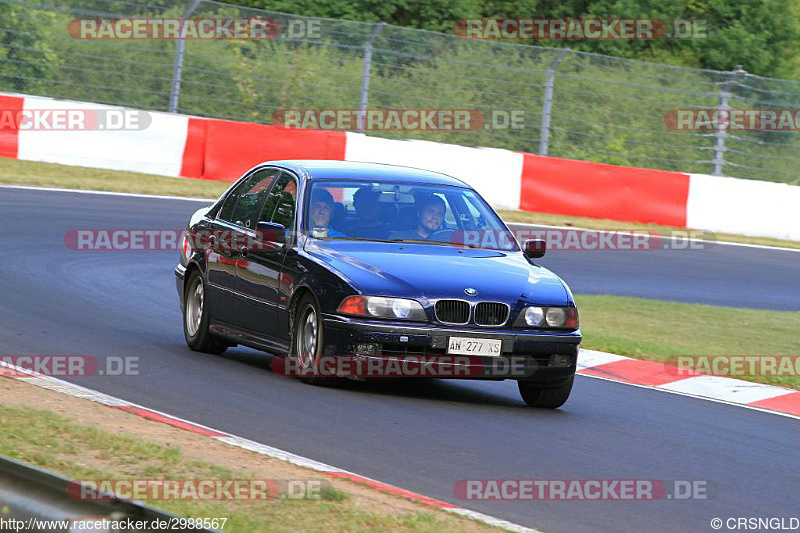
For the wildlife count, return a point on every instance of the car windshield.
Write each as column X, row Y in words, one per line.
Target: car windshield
column 403, row 212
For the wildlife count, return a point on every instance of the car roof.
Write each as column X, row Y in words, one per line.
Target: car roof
column 352, row 170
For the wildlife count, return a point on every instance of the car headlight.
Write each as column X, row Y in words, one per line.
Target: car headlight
column 548, row 317
column 534, row 316
column 382, row 307
column 556, row 317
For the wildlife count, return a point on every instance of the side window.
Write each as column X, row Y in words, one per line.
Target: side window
column 242, row 204
column 280, row 204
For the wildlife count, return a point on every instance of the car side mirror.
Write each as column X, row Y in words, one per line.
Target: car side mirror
column 271, row 232
column 534, row 248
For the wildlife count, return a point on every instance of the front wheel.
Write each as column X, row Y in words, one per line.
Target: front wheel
column 306, row 345
column 536, row 395
column 195, row 318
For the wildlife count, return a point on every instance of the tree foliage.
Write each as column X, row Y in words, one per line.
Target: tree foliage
column 760, row 35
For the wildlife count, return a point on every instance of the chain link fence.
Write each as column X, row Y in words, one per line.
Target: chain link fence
column 575, row 105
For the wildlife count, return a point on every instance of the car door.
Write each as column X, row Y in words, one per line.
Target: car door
column 229, row 230
column 259, row 279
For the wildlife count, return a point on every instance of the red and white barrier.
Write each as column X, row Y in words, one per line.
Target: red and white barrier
column 193, row 147
column 154, row 150
column 493, row 172
column 224, row 149
column 582, row 188
column 9, row 136
column 746, row 207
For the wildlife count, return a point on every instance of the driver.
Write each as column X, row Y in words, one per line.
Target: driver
column 321, row 213
column 430, row 217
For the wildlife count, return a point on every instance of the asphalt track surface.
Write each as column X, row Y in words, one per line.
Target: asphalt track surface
column 420, row 435
column 712, row 273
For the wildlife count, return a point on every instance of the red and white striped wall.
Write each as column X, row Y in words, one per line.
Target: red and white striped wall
column 155, row 150
column 193, row 147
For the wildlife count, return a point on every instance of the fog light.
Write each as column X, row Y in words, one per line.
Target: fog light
column 367, row 349
column 560, row 359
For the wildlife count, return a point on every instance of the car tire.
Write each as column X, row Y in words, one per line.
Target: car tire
column 536, row 395
column 196, row 319
column 306, row 340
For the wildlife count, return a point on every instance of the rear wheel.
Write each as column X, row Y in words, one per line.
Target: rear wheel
column 536, row 395
column 195, row 318
column 306, row 345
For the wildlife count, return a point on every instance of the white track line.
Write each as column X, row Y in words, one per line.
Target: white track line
column 109, row 193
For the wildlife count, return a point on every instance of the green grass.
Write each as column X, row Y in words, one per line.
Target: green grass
column 655, row 330
column 35, row 174
column 54, row 442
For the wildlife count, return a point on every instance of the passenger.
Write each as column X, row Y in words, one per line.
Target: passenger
column 430, row 217
column 368, row 210
column 321, row 213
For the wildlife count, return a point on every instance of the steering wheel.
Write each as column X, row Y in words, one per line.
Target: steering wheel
column 440, row 233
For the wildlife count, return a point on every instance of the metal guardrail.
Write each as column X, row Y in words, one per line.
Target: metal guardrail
column 32, row 497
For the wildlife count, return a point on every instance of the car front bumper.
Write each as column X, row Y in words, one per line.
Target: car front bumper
column 525, row 355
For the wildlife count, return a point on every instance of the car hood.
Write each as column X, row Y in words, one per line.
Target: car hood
column 432, row 271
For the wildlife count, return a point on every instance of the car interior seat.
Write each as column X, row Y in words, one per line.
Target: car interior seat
column 339, row 216
column 407, row 218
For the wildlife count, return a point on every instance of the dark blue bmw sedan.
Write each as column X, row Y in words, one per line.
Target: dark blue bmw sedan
column 360, row 270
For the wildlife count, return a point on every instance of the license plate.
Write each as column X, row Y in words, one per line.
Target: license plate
column 468, row 346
